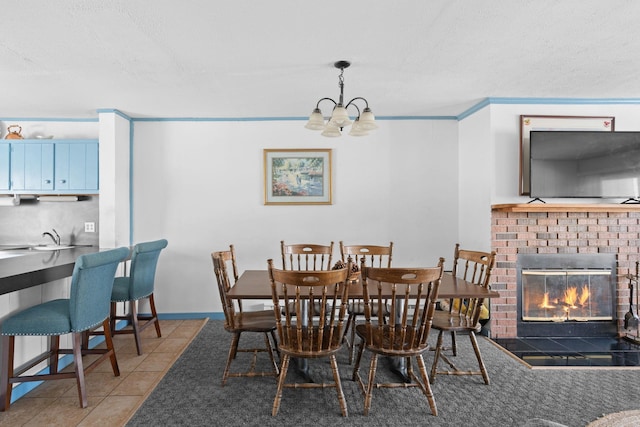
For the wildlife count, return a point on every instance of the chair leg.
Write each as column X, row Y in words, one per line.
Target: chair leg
column 79, row 368
column 283, row 374
column 109, row 342
column 275, row 344
column 54, row 348
column 454, row 346
column 154, row 315
column 6, row 371
column 436, row 357
column 269, row 348
column 338, row 385
column 427, row 387
column 135, row 325
column 112, row 317
column 352, row 348
column 372, row 376
column 232, row 354
column 356, row 367
column 476, row 349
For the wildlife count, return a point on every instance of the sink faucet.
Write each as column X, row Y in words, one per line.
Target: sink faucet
column 56, row 238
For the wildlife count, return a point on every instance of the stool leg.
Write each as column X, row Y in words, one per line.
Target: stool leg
column 54, row 348
column 109, row 342
column 6, row 371
column 134, row 324
column 77, row 358
column 154, row 315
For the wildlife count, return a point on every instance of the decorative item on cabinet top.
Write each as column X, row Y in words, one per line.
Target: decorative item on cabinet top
column 14, row 134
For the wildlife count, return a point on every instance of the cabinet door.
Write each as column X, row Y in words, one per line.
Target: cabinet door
column 76, row 166
column 5, row 176
column 32, row 166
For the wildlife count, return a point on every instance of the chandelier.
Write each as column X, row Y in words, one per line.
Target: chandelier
column 364, row 122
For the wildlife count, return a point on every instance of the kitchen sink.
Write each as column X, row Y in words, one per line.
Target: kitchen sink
column 52, row 247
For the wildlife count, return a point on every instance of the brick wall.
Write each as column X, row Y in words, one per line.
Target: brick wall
column 555, row 229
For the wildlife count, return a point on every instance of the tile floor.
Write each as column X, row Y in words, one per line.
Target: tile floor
column 576, row 352
column 112, row 400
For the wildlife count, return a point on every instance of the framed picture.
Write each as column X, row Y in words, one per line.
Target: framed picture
column 529, row 123
column 297, row 177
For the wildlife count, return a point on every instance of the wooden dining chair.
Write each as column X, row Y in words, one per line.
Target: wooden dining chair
column 463, row 314
column 306, row 256
column 238, row 321
column 375, row 256
column 309, row 337
column 412, row 304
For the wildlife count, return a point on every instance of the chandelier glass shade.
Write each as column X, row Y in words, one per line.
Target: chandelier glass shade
column 364, row 122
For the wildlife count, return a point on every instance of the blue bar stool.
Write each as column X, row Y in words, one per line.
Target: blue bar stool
column 138, row 285
column 86, row 308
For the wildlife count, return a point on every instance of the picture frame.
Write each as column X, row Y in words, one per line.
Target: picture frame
column 554, row 123
column 297, row 176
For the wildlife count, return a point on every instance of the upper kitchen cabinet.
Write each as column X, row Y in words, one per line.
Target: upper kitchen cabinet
column 66, row 166
column 5, row 176
column 76, row 166
column 31, row 166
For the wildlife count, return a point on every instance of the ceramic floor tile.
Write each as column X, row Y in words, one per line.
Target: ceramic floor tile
column 112, row 411
column 137, row 384
column 63, row 412
column 25, row 409
column 156, row 362
column 112, row 400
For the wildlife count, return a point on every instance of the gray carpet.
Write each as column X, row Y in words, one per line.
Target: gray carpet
column 190, row 394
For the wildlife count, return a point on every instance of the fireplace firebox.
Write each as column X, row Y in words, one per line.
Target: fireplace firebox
column 566, row 295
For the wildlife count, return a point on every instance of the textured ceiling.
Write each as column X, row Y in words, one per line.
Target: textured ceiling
column 273, row 58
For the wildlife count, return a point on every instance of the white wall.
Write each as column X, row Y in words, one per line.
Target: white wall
column 199, row 184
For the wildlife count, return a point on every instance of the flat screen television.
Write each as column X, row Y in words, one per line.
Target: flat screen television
column 588, row 164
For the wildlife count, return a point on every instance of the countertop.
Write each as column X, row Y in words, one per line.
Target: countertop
column 37, row 267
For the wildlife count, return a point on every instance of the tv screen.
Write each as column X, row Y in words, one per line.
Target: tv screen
column 589, row 164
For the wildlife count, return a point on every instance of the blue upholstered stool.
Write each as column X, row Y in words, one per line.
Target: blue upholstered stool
column 138, row 285
column 86, row 308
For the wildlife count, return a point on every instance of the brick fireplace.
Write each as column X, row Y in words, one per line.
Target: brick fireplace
column 559, row 229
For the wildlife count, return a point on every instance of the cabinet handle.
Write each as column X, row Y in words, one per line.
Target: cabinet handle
column 47, row 181
column 62, row 181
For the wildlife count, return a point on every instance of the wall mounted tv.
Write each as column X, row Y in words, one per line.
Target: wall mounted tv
column 588, row 164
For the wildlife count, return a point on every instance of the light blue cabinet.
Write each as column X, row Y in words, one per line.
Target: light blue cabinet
column 5, row 169
column 31, row 166
column 66, row 166
column 76, row 166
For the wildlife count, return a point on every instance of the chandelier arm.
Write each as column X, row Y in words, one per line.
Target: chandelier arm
column 358, row 97
column 325, row 99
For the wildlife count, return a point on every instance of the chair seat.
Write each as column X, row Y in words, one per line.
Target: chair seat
column 49, row 318
column 254, row 321
column 443, row 320
column 380, row 342
column 357, row 308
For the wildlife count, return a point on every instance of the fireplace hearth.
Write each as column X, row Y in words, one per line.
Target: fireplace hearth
column 566, row 295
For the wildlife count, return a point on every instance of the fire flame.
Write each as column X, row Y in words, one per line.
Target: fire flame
column 570, row 299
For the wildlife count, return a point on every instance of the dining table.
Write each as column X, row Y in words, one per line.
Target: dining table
column 256, row 285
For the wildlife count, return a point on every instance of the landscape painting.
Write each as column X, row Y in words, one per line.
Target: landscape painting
column 297, row 176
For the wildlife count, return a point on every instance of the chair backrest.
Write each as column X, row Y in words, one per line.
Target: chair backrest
column 306, row 257
column 376, row 256
column 144, row 261
column 221, row 261
column 91, row 286
column 411, row 298
column 474, row 267
column 313, row 333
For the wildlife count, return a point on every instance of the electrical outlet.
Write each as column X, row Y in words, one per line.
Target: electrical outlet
column 89, row 227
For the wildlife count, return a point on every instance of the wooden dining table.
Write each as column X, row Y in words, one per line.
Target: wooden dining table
column 255, row 284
